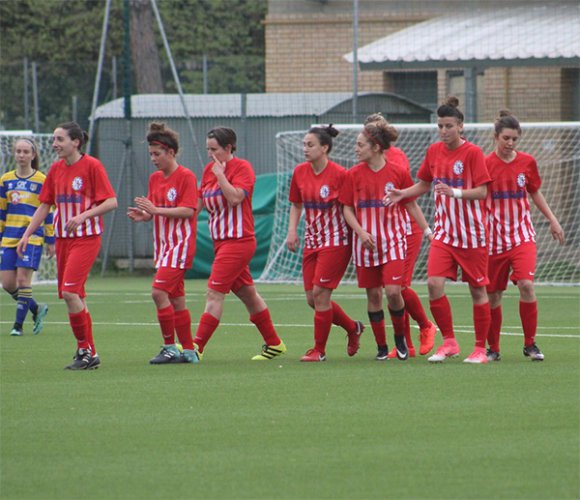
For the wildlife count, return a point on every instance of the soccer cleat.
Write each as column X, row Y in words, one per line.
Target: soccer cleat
column 191, row 355
column 533, row 352
column 393, row 353
column 38, row 318
column 168, row 354
column 270, row 352
column 382, row 353
column 427, row 339
column 449, row 349
column 477, row 357
column 354, row 338
column 313, row 355
column 84, row 360
column 401, row 348
column 493, row 355
column 16, row 332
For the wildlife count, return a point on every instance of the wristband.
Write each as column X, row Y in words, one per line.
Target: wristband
column 427, row 232
column 457, row 193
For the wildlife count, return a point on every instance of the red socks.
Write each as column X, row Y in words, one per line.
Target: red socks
column 340, row 318
column 414, row 307
column 263, row 322
column 441, row 311
column 495, row 329
column 529, row 317
column 166, row 320
column 182, row 321
column 79, row 324
column 398, row 321
column 322, row 325
column 207, row 325
column 481, row 323
column 377, row 321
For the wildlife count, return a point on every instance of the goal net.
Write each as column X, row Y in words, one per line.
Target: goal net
column 556, row 147
column 47, row 271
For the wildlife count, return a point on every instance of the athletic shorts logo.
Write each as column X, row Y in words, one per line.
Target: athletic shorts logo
column 396, row 278
column 216, row 282
column 324, row 191
column 324, row 280
column 389, row 186
column 172, row 194
column 458, row 167
column 66, row 283
column 480, row 279
column 521, row 180
column 77, row 183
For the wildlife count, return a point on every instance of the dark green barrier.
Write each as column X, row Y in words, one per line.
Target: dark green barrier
column 263, row 203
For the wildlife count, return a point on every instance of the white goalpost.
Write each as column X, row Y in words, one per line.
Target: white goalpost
column 556, row 147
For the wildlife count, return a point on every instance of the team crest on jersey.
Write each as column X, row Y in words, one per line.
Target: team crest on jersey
column 77, row 183
column 458, row 167
column 324, row 191
column 389, row 186
column 521, row 180
column 172, row 194
column 32, row 187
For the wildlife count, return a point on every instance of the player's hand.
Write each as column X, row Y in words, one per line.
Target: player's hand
column 50, row 250
column 136, row 214
column 22, row 245
column 367, row 240
column 393, row 196
column 557, row 231
column 292, row 241
column 442, row 189
column 72, row 224
column 218, row 168
column 143, row 203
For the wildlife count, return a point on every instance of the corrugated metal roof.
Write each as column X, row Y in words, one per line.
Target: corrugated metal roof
column 225, row 105
column 512, row 36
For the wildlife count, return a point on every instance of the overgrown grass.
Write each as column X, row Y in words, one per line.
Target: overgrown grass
column 233, row 428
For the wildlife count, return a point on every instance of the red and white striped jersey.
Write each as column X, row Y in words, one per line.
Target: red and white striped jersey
column 173, row 237
column 510, row 221
column 74, row 189
column 318, row 193
column 397, row 155
column 226, row 221
column 364, row 190
column 458, row 222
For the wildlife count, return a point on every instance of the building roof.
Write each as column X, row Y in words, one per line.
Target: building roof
column 230, row 105
column 520, row 36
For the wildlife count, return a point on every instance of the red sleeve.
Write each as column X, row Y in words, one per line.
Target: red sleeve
column 425, row 173
column 346, row 196
column 534, row 181
column 244, row 177
column 101, row 183
column 295, row 195
column 47, row 191
column 189, row 190
column 479, row 172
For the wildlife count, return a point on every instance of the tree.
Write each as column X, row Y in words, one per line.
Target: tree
column 144, row 52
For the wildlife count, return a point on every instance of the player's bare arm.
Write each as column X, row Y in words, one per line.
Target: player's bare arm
column 292, row 240
column 414, row 191
column 476, row 193
column 102, row 208
column 367, row 240
column 555, row 228
column 37, row 220
column 234, row 195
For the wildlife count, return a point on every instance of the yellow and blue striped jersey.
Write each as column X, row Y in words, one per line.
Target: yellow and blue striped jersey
column 18, row 202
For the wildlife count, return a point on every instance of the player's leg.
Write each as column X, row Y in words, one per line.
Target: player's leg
column 498, row 269
column 8, row 278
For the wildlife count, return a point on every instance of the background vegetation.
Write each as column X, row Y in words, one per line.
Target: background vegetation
column 63, row 37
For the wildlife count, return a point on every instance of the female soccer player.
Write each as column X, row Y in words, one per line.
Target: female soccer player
column 315, row 186
column 413, row 306
column 379, row 243
column 171, row 202
column 227, row 185
column 79, row 187
column 19, row 190
column 511, row 233
column 457, row 170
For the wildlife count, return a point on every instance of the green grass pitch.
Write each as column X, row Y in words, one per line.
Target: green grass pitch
column 232, row 428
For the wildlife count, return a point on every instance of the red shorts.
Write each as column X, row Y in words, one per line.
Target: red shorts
column 170, row 280
column 390, row 273
column 413, row 248
column 324, row 267
column 74, row 259
column 230, row 270
column 521, row 260
column 444, row 259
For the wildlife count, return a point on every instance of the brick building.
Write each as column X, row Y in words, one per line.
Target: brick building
column 306, row 41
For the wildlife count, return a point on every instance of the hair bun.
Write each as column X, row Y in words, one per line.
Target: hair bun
column 452, row 101
column 505, row 112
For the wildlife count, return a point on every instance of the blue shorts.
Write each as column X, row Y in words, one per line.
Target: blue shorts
column 10, row 260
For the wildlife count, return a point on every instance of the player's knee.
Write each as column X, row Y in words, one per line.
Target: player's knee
column 527, row 292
